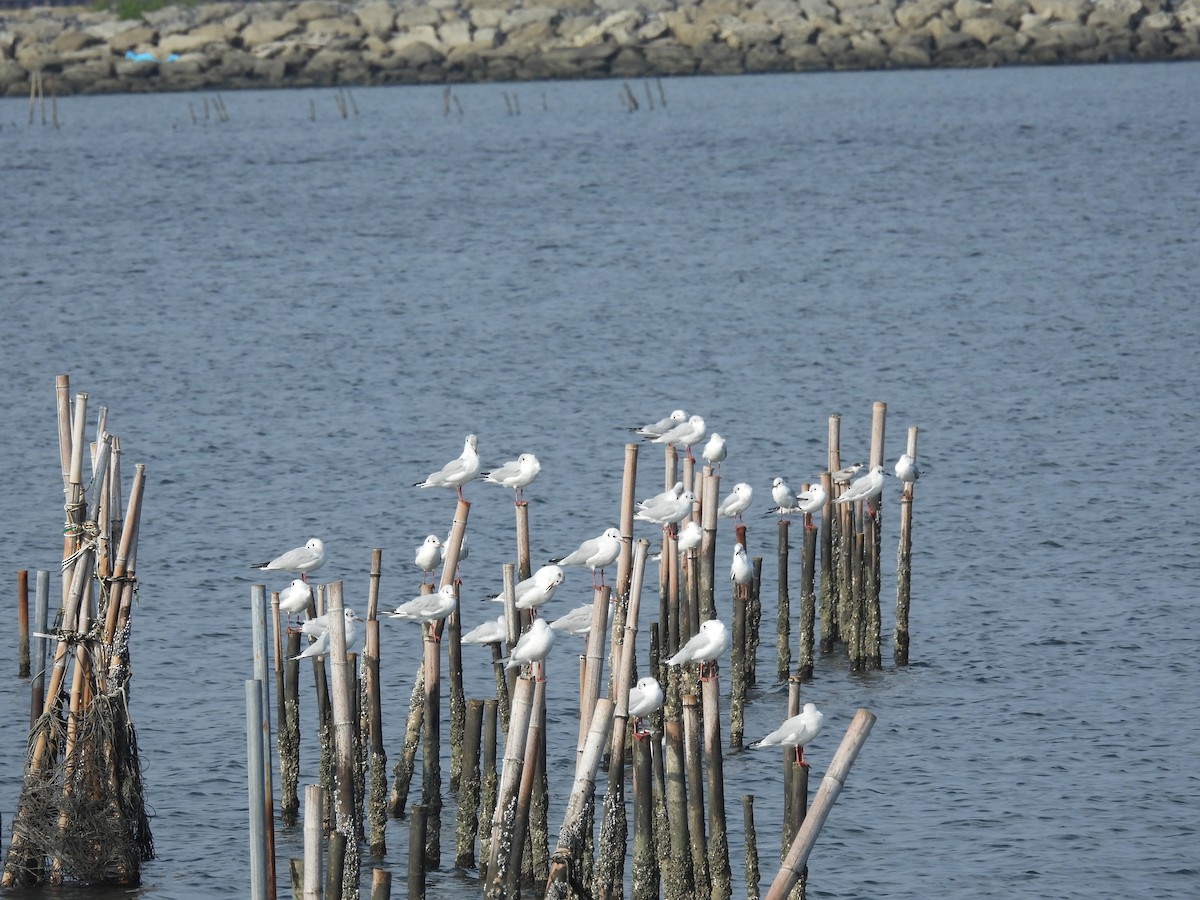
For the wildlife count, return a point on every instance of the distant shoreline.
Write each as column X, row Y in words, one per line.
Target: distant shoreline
column 316, row 43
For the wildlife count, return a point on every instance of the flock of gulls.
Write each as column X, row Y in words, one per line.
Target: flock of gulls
column 666, row 509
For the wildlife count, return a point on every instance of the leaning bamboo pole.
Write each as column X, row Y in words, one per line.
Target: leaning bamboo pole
column 818, row 811
column 570, row 837
column 503, row 818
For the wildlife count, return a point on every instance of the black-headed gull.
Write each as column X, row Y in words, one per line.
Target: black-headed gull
column 457, row 472
column 844, row 474
column 537, row 589
column 736, row 502
column 715, row 450
column 595, row 553
column 491, row 632
column 294, row 598
column 320, row 646
column 907, row 469
column 667, row 512
column 705, row 645
column 866, row 488
column 302, row 560
column 798, row 731
column 427, row 607
column 690, row 536
column 654, row 429
column 517, row 474
column 783, row 495
column 644, row 698
column 741, row 570
column 684, row 434
column 578, row 621
column 429, row 553
column 811, row 501
column 533, row 647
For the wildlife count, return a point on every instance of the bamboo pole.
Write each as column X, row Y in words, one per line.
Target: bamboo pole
column 488, row 786
column 570, row 836
column 431, row 764
column 418, row 838
column 467, row 820
column 458, row 703
column 679, row 875
column 23, row 623
column 808, row 604
column 737, row 662
column 594, row 661
column 614, row 828
column 783, row 621
column 900, row 637
column 41, row 618
column 289, row 734
column 720, row 873
column 506, row 794
column 258, row 611
column 256, row 790
column 628, row 500
column 406, row 762
column 341, row 700
column 381, row 884
column 708, row 543
column 529, row 768
column 872, row 656
column 377, row 778
column 753, row 622
column 645, row 861
column 751, row 841
column 818, row 812
column 695, row 789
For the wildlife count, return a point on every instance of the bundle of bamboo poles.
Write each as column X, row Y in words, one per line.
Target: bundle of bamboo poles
column 81, row 816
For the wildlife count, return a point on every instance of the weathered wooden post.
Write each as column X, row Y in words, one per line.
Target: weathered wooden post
column 341, row 705
column 752, row 874
column 23, row 623
column 808, row 603
column 783, row 622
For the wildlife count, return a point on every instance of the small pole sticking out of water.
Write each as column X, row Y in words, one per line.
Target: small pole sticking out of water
column 23, row 623
column 783, row 646
column 752, row 874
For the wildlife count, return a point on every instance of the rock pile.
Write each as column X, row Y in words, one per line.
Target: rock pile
column 319, row 42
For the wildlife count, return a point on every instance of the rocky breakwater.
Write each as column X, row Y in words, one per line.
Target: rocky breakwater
column 318, row 42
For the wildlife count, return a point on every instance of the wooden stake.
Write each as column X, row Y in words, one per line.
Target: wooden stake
column 708, row 543
column 289, row 734
column 41, row 618
column 377, row 779
column 826, row 796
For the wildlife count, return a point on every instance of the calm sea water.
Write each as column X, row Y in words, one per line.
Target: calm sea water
column 292, row 321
